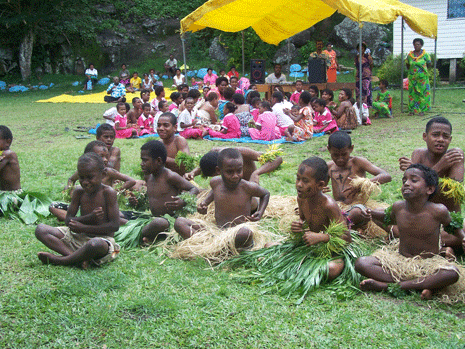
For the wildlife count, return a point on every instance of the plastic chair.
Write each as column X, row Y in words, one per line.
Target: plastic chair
column 201, row 73
column 295, row 71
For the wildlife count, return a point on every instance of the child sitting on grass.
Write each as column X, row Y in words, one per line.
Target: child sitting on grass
column 176, row 99
column 327, row 95
column 382, row 102
column 187, row 126
column 415, row 263
column 106, row 134
column 296, row 94
column 88, row 238
column 163, row 188
column 344, row 168
column 323, row 121
column 159, row 96
column 266, row 128
column 166, row 129
column 145, row 121
column 122, row 127
column 110, row 114
column 303, row 123
column 232, row 196
column 135, row 112
column 230, row 128
column 345, row 113
column 448, row 163
column 9, row 164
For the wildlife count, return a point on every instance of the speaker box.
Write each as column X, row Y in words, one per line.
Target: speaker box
column 257, row 71
column 316, row 70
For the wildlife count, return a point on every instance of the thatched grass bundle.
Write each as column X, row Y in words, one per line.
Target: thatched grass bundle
column 365, row 189
column 452, row 189
column 271, row 154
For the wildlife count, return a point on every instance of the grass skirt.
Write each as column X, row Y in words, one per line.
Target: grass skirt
column 404, row 268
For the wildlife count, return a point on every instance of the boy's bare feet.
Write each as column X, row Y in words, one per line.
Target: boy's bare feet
column 46, row 258
column 426, row 294
column 373, row 285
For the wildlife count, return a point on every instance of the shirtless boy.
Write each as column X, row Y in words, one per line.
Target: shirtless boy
column 135, row 112
column 10, row 178
column 317, row 209
column 418, row 221
column 163, row 188
column 344, row 167
column 106, row 134
column 448, row 163
column 209, row 165
column 166, row 129
column 232, row 196
column 88, row 238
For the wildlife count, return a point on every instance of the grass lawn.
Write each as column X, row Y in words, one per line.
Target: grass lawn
column 145, row 300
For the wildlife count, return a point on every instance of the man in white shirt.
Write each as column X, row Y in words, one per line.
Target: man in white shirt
column 170, row 66
column 277, row 77
column 91, row 75
column 283, row 121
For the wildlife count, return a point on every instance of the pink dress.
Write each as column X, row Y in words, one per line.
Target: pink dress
column 231, row 124
column 325, row 116
column 210, row 79
column 295, row 97
column 122, row 121
column 255, row 113
column 145, row 124
column 269, row 131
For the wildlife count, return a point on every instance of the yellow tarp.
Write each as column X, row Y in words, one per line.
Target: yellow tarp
column 95, row 97
column 277, row 20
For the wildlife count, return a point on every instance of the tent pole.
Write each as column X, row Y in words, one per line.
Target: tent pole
column 360, row 70
column 435, row 61
column 289, row 55
column 184, row 55
column 402, row 66
column 243, row 55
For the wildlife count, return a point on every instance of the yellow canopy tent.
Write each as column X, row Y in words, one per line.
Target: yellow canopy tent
column 277, row 20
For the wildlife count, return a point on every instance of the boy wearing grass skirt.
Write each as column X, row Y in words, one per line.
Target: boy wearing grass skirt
column 232, row 196
column 416, row 263
column 448, row 163
column 163, row 188
column 9, row 164
column 344, row 168
column 88, row 238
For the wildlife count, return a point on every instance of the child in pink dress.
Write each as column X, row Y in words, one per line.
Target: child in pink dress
column 176, row 99
column 187, row 124
column 255, row 103
column 298, row 91
column 323, row 121
column 231, row 127
column 122, row 128
column 145, row 121
column 266, row 124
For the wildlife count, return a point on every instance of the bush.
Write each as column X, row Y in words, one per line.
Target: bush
column 391, row 70
column 305, row 51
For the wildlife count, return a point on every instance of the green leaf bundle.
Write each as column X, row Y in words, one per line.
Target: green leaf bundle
column 456, row 223
column 25, row 206
column 188, row 161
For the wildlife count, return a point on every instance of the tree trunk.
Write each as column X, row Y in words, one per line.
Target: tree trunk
column 25, row 54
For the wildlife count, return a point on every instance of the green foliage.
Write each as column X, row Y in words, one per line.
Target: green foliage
column 305, row 51
column 462, row 62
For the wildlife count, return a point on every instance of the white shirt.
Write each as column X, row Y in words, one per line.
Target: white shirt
column 282, row 120
column 172, row 63
column 186, row 118
column 178, row 81
column 111, row 112
column 91, row 72
column 272, row 79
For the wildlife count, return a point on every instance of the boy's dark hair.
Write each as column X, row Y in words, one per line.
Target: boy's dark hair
column 233, row 77
column 92, row 158
column 278, row 95
column 158, row 90
column 104, row 127
column 305, row 97
column 208, row 163
column 160, row 104
column 219, row 80
column 91, row 145
column 228, row 92
column 299, row 81
column 265, row 105
column 352, row 101
column 120, row 104
column 156, row 149
column 229, row 106
column 429, row 175
column 194, row 93
column 127, row 106
column 320, row 101
column 211, row 96
column 175, row 96
column 348, row 92
column 339, row 140
column 5, row 132
column 251, row 95
column 384, row 82
column 314, row 88
column 184, row 95
column 143, row 91
column 438, row 120
column 171, row 116
column 255, row 100
column 146, row 105
column 238, row 98
column 319, row 167
column 134, row 99
column 329, row 92
column 228, row 153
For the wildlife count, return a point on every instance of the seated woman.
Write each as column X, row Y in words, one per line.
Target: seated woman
column 206, row 112
column 91, row 77
column 178, row 78
column 124, row 75
column 242, row 113
column 345, row 113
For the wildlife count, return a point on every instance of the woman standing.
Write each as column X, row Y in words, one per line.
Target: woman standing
column 367, row 66
column 417, row 63
column 333, row 67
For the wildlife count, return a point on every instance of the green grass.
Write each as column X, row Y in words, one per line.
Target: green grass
column 145, row 300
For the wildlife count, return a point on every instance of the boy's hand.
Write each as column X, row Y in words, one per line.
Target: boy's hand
column 350, row 192
column 297, row 226
column 326, row 189
column 202, row 208
column 75, row 226
column 99, row 214
column 189, row 176
column 450, row 158
column 176, row 204
column 311, row 238
column 133, row 200
column 404, row 163
column 255, row 217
